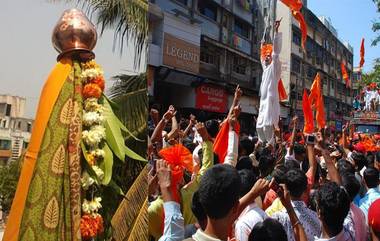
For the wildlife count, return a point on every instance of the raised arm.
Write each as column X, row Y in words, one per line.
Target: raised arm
column 208, row 155
column 293, row 136
column 157, row 133
column 192, row 122
column 299, row 232
column 235, row 102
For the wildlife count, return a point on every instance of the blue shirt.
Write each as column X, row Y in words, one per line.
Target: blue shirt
column 371, row 195
column 174, row 229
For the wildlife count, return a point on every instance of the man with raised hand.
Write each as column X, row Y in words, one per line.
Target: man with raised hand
column 269, row 111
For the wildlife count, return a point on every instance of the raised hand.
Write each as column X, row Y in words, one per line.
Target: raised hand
column 163, row 174
column 261, row 187
column 201, row 129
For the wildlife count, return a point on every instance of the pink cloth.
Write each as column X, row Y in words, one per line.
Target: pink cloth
column 356, row 223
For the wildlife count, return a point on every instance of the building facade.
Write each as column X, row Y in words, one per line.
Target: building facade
column 199, row 50
column 324, row 54
column 15, row 129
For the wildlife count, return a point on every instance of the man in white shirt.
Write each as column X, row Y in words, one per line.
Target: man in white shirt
column 269, row 111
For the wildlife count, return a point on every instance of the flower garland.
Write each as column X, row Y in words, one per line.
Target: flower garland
column 93, row 135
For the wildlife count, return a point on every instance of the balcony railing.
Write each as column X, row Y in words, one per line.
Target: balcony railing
column 209, row 27
column 241, row 43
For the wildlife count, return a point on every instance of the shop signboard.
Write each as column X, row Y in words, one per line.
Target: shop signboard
column 211, row 98
column 180, row 54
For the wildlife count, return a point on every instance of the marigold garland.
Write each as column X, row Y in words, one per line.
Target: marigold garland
column 91, row 226
column 93, row 135
column 92, row 90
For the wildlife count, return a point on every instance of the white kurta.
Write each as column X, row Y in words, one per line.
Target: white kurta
column 269, row 112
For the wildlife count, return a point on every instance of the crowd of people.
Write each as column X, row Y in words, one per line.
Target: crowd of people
column 368, row 100
column 296, row 188
column 209, row 182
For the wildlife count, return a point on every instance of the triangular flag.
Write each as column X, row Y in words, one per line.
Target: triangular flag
column 345, row 74
column 281, row 91
column 308, row 114
column 221, row 140
column 362, row 53
column 315, row 90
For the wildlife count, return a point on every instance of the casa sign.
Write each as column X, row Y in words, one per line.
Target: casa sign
column 180, row 54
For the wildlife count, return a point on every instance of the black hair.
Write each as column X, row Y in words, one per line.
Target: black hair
column 197, row 209
column 377, row 156
column 212, row 127
column 345, row 167
column 359, row 159
column 296, row 182
column 299, row 149
column 266, row 165
column 371, row 177
column 351, row 185
column 333, row 204
column 219, row 190
column 268, row 230
column 292, row 164
column 248, row 179
column 279, row 174
column 244, row 163
column 245, row 144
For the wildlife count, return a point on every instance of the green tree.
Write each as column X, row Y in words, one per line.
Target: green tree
column 374, row 74
column 9, row 175
column 376, row 24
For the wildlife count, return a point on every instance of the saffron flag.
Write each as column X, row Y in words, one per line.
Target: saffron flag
column 221, row 140
column 281, row 91
column 320, row 115
column 345, row 74
column 299, row 17
column 315, row 90
column 308, row 114
column 294, row 5
column 362, row 53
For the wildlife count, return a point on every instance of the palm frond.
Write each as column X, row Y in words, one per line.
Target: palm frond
column 130, row 93
column 131, row 210
column 128, row 18
column 139, row 231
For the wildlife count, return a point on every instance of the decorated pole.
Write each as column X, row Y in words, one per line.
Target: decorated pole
column 74, row 141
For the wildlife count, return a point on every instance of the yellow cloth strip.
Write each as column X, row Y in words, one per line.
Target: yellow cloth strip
column 49, row 95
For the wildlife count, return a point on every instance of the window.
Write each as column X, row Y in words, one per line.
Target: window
column 208, row 9
column 5, row 144
column 25, row 145
column 184, row 2
column 296, row 38
column 332, row 83
column 19, row 125
column 8, row 111
column 296, row 65
column 209, row 58
column 240, row 65
column 310, row 71
column 29, row 127
column 241, row 28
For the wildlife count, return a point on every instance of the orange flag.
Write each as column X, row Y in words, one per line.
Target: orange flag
column 316, row 100
column 320, row 115
column 294, row 5
column 362, row 52
column 299, row 17
column 221, row 140
column 345, row 74
column 308, row 114
column 281, row 91
column 315, row 90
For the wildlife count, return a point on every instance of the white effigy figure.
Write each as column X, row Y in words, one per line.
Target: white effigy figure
column 269, row 111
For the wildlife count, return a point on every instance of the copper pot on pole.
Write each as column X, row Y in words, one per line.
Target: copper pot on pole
column 74, row 36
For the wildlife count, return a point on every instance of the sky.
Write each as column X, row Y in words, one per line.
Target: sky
column 353, row 20
column 27, row 55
